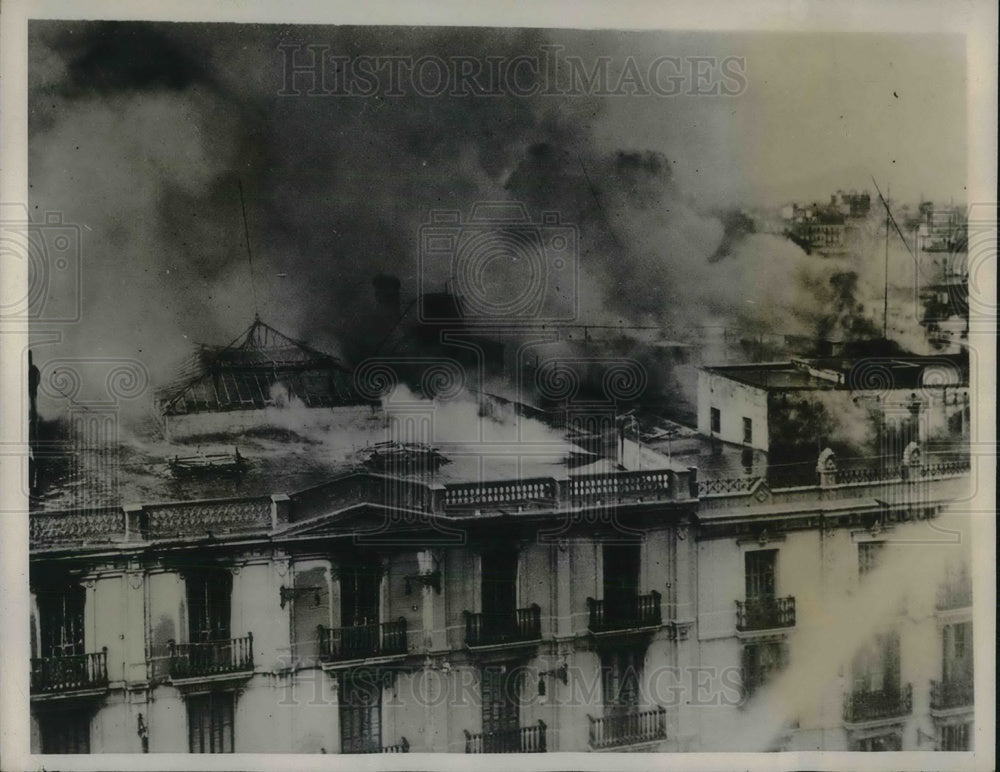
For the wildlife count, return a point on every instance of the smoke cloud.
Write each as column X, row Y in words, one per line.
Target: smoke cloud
column 142, row 134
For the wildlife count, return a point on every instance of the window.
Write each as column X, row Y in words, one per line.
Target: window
column 760, row 661
column 869, row 556
column 891, row 741
column 760, row 570
column 209, row 597
column 876, row 667
column 210, row 722
column 60, row 611
column 360, row 712
column 747, row 431
column 621, row 581
column 716, row 419
column 310, row 609
column 957, row 660
column 621, row 672
column 499, row 590
column 65, row 731
column 360, row 587
column 500, row 687
column 955, row 737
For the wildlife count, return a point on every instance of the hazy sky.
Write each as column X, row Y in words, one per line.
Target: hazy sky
column 820, row 112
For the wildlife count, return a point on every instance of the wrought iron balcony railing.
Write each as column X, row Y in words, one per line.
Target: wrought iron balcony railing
column 954, row 594
column 635, row 612
column 630, row 728
column 487, row 629
column 362, row 641
column 861, row 706
column 75, row 672
column 765, row 613
column 952, row 694
column 403, row 746
column 527, row 739
column 211, row 658
column 375, row 746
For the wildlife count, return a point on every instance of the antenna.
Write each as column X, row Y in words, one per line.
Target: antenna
column 885, row 296
column 889, row 219
column 246, row 233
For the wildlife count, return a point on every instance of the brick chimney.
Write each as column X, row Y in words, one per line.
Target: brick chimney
column 387, row 300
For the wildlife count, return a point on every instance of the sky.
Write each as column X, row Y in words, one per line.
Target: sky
column 141, row 135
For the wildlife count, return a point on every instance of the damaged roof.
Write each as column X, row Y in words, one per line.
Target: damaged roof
column 261, row 368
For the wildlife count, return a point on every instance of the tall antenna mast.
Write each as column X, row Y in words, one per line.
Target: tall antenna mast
column 246, row 234
column 885, row 297
column 889, row 219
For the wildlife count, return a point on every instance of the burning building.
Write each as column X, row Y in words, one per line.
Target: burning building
column 234, row 388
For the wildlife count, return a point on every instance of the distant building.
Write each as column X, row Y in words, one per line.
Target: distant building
column 872, row 405
column 943, row 229
column 826, row 228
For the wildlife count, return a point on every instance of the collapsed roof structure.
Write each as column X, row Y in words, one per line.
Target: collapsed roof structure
column 261, row 368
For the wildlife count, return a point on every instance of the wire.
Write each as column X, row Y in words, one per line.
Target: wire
column 246, row 233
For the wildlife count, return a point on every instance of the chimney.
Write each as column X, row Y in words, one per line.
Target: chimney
column 387, row 299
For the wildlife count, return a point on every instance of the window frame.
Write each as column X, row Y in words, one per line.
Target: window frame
column 214, row 703
column 72, row 731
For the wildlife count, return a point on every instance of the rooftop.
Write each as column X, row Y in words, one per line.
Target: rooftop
column 298, row 449
column 261, row 368
column 900, row 372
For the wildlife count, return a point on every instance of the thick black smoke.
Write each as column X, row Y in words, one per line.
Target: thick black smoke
column 142, row 134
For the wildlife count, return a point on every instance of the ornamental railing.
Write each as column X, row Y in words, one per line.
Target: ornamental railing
column 629, row 728
column 708, row 487
column 631, row 612
column 362, row 641
column 952, row 694
column 492, row 629
column 211, row 658
column 75, row 672
column 765, row 613
column 526, row 739
column 955, row 593
column 875, row 705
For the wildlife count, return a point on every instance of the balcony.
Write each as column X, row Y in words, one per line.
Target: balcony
column 528, row 739
column 884, row 705
column 948, row 695
column 211, row 659
column 638, row 613
column 67, row 674
column 340, row 644
column 373, row 746
column 403, row 746
column 955, row 594
column 521, row 626
column 765, row 614
column 630, row 728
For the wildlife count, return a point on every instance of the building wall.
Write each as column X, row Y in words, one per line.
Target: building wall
column 735, row 401
column 691, row 664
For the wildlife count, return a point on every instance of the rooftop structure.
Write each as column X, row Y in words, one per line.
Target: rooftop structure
column 262, row 368
column 865, row 406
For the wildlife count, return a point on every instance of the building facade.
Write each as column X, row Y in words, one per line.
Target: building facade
column 630, row 610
